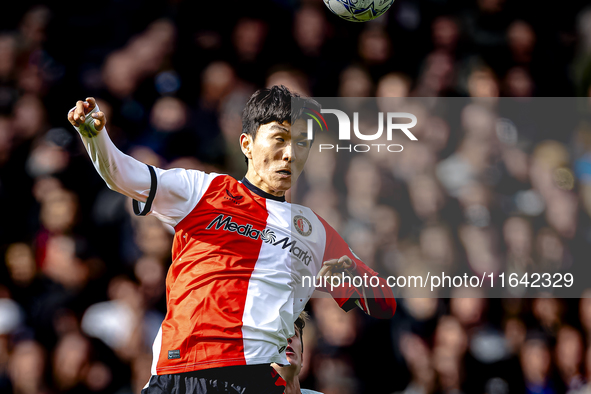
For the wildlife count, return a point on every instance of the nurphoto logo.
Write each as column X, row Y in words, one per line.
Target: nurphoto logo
column 391, row 120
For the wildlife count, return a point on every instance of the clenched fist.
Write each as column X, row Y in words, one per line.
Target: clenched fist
column 91, row 126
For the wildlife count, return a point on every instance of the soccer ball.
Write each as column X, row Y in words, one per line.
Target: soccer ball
column 358, row 10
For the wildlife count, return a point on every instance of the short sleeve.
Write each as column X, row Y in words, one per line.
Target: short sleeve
column 174, row 193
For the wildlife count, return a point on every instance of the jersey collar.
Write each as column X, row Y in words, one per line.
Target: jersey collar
column 259, row 192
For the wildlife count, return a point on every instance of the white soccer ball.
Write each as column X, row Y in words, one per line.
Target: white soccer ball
column 358, row 10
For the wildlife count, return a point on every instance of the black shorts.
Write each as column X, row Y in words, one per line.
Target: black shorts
column 247, row 379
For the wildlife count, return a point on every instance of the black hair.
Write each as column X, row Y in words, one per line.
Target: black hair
column 274, row 104
column 300, row 323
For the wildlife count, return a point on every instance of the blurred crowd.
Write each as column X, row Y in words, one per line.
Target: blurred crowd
column 82, row 280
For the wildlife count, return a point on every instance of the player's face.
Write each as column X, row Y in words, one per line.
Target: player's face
column 294, row 351
column 276, row 156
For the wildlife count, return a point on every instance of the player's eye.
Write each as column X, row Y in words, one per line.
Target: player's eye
column 303, row 144
column 279, row 139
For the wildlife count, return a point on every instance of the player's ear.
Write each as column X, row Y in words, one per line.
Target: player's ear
column 246, row 145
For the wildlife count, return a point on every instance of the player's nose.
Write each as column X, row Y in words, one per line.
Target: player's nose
column 288, row 153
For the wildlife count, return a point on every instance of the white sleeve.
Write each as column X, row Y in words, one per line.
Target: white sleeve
column 169, row 195
column 176, row 192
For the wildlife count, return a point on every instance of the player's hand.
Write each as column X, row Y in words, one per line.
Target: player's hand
column 335, row 267
column 83, row 108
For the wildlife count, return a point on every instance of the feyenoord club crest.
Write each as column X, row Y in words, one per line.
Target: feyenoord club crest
column 302, row 225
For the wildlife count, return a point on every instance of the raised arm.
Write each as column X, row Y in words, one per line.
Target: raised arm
column 120, row 172
column 169, row 194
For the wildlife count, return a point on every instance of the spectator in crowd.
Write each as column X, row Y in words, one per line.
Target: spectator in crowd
column 295, row 353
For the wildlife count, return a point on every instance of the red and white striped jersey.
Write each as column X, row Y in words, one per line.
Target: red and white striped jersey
column 235, row 288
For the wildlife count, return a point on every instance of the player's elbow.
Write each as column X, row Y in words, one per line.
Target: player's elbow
column 109, row 179
column 385, row 310
column 114, row 185
column 116, row 188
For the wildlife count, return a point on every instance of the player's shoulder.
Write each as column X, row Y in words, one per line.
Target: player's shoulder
column 305, row 216
column 309, row 213
column 180, row 174
column 221, row 178
column 298, row 210
column 306, row 391
column 185, row 183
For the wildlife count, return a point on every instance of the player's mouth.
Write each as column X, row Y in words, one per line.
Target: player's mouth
column 289, row 350
column 284, row 173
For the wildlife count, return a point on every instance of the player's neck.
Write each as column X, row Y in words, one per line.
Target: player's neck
column 293, row 386
column 261, row 192
column 258, row 182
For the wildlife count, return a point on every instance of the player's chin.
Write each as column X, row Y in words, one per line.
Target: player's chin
column 294, row 361
column 282, row 184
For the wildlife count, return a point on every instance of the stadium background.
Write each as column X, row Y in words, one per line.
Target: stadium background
column 82, row 281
